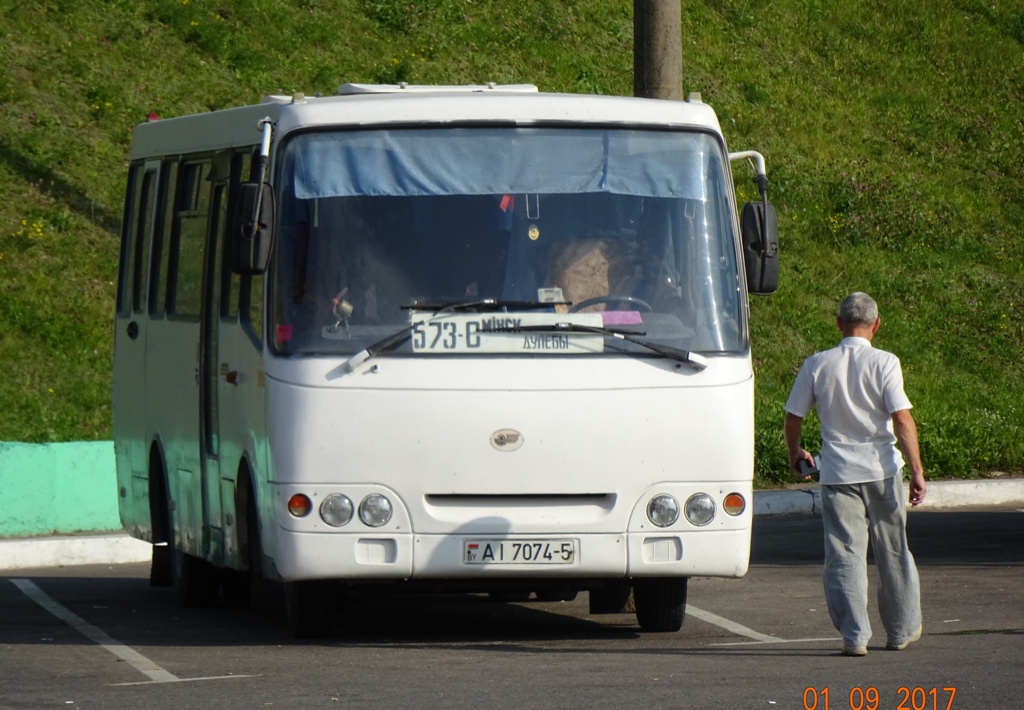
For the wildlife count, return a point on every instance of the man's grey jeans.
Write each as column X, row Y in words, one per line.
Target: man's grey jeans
column 850, row 514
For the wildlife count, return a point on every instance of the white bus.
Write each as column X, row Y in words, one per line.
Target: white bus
column 476, row 338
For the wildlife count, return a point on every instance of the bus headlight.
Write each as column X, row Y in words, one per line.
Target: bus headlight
column 375, row 510
column 663, row 510
column 700, row 509
column 336, row 510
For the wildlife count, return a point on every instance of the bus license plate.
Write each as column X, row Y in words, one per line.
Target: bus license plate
column 519, row 552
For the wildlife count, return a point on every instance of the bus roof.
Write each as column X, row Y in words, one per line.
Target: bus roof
column 364, row 105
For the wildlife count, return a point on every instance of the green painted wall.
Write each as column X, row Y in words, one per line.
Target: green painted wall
column 57, row 488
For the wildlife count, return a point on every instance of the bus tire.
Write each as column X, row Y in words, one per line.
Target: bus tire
column 264, row 594
column 660, row 603
column 195, row 580
column 310, row 606
column 160, row 567
column 237, row 588
column 610, row 600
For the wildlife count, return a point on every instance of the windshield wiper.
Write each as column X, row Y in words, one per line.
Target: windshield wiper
column 698, row 362
column 479, row 305
column 440, row 309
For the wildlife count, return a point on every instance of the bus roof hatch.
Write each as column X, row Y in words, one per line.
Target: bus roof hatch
column 350, row 89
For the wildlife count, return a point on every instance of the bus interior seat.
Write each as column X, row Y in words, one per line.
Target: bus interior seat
column 589, row 268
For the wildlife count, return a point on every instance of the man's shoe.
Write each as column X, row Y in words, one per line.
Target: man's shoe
column 893, row 646
column 855, row 650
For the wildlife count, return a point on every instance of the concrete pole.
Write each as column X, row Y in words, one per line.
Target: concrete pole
column 657, row 49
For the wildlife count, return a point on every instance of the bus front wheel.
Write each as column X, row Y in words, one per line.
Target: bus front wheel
column 310, row 607
column 660, row 603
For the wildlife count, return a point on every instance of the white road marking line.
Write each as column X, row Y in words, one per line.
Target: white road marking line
column 732, row 626
column 135, row 659
column 776, row 640
column 184, row 680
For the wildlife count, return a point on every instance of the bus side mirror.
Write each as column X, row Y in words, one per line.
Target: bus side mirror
column 760, row 233
column 252, row 228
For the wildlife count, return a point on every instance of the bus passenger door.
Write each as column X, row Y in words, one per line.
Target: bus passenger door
column 239, row 379
column 130, row 329
column 175, row 354
column 209, row 370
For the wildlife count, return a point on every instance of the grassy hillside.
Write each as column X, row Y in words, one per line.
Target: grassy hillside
column 893, row 134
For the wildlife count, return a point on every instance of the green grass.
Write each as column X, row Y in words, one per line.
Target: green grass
column 893, row 133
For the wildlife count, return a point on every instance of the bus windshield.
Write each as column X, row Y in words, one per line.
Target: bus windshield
column 631, row 226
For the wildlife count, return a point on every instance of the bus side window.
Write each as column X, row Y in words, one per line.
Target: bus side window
column 138, row 227
column 143, row 232
column 188, row 243
column 161, row 239
column 126, row 269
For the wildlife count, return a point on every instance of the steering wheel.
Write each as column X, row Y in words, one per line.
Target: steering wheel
column 610, row 299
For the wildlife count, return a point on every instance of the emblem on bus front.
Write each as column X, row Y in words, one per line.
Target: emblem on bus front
column 506, row 440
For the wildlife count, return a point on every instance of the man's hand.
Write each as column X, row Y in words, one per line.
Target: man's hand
column 791, row 430
column 905, row 428
column 918, row 490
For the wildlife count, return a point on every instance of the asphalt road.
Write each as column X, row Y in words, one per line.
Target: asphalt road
column 100, row 637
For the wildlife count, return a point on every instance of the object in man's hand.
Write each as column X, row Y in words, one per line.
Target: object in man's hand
column 807, row 468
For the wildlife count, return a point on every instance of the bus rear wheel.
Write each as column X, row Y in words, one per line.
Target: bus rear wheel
column 195, row 580
column 660, row 603
column 160, row 574
column 310, row 607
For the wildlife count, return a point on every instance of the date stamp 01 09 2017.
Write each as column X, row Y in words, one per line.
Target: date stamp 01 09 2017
column 905, row 698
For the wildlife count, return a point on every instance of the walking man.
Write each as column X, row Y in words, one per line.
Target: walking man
column 864, row 414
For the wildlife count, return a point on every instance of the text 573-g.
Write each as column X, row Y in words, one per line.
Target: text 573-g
column 446, row 335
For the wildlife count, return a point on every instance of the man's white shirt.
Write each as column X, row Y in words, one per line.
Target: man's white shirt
column 856, row 389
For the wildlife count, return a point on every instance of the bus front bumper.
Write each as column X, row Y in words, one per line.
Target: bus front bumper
column 397, row 557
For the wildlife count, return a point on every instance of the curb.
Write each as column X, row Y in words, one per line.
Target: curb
column 118, row 548
column 112, row 548
column 942, row 495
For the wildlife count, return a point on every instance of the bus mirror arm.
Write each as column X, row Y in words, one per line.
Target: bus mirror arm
column 760, row 232
column 266, row 126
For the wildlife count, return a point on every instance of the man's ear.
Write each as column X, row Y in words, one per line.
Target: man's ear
column 874, row 327
column 839, row 323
